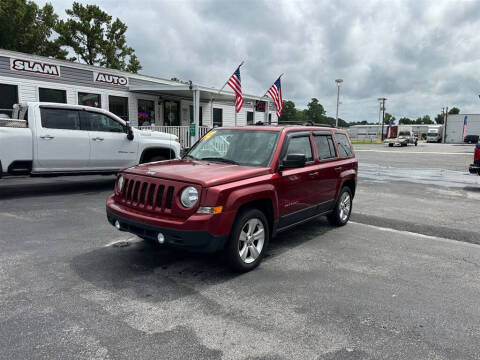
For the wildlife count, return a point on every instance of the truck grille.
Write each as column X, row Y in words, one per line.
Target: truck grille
column 150, row 194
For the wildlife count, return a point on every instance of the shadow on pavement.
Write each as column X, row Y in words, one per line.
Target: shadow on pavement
column 155, row 273
column 35, row 187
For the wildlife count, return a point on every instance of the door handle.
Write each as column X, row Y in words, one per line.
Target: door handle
column 313, row 174
column 47, row 137
column 98, row 139
column 338, row 169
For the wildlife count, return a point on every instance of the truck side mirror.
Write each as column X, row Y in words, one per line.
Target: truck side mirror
column 293, row 161
column 129, row 131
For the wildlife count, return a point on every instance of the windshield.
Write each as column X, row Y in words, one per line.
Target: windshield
column 242, row 147
column 432, row 134
column 404, row 133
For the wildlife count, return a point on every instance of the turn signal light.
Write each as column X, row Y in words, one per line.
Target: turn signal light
column 210, row 210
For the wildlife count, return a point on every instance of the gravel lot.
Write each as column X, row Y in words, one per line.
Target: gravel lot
column 400, row 281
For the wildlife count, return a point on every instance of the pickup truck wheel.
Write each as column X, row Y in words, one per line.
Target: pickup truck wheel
column 343, row 208
column 248, row 240
column 156, row 158
column 390, row 145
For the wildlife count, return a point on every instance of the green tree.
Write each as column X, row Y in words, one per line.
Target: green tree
column 91, row 34
column 315, row 111
column 389, row 117
column 27, row 28
column 424, row 120
column 454, row 110
column 405, row 121
column 439, row 119
column 289, row 113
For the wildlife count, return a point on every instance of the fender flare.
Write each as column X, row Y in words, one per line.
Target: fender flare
column 346, row 176
column 157, row 147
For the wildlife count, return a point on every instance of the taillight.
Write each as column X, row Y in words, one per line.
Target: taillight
column 476, row 154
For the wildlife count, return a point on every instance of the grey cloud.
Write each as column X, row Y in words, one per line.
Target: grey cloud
column 421, row 55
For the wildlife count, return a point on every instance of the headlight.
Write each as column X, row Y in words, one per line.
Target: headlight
column 120, row 184
column 189, row 197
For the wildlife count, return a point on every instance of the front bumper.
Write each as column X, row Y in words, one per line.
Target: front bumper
column 195, row 240
column 474, row 169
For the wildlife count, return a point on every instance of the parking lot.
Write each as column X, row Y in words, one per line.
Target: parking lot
column 400, row 281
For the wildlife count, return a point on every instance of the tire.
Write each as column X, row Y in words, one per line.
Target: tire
column 156, row 158
column 246, row 246
column 342, row 211
column 390, row 145
column 416, row 142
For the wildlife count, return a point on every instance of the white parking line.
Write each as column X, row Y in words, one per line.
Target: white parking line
column 415, row 152
column 410, row 233
column 129, row 239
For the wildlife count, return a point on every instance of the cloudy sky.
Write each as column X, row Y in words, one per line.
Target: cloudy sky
column 420, row 55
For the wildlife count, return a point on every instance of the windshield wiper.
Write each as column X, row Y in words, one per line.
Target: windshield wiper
column 219, row 159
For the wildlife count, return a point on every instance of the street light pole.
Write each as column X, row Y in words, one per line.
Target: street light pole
column 382, row 103
column 338, row 81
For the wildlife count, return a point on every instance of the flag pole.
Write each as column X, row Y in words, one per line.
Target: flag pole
column 279, row 78
column 226, row 82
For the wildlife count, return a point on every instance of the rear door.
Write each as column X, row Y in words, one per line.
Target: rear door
column 62, row 140
column 296, row 187
column 327, row 168
column 109, row 146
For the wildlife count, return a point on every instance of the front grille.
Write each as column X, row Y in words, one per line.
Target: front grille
column 147, row 193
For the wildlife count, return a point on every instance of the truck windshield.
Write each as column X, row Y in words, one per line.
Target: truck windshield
column 432, row 134
column 404, row 133
column 237, row 146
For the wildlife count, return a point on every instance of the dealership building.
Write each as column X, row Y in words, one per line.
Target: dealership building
column 145, row 101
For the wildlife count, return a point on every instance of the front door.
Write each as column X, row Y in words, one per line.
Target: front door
column 172, row 113
column 62, row 141
column 109, row 146
column 297, row 186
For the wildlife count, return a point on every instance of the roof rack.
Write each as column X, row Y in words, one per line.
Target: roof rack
column 305, row 123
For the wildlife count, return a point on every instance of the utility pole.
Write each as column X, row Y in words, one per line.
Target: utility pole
column 338, row 81
column 445, row 118
column 382, row 107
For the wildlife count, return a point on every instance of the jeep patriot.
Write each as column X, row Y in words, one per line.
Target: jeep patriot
column 236, row 188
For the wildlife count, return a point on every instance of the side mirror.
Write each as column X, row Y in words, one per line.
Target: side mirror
column 129, row 131
column 293, row 161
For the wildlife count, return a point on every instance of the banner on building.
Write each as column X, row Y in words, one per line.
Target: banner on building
column 104, row 78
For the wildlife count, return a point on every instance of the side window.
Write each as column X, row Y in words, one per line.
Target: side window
column 344, row 147
column 60, row 119
column 102, row 122
column 300, row 145
column 325, row 147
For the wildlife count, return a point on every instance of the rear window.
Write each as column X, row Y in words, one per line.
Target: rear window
column 344, row 148
column 325, row 147
column 60, row 119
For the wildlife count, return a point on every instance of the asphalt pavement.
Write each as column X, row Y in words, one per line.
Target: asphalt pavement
column 400, row 281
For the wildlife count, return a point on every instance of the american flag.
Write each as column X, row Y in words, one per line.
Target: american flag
column 236, row 84
column 465, row 126
column 275, row 93
column 389, row 130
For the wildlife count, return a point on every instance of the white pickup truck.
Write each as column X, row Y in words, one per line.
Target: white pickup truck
column 51, row 138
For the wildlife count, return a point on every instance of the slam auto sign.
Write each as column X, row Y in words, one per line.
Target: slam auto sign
column 35, row 67
column 110, row 79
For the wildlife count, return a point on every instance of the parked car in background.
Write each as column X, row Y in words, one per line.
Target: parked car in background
column 51, row 138
column 238, row 187
column 471, row 139
column 401, row 135
column 475, row 167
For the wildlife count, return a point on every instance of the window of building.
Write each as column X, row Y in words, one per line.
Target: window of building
column 86, row 99
column 269, row 118
column 249, row 117
column 8, row 97
column 300, row 145
column 217, row 117
column 325, row 147
column 52, row 95
column 119, row 106
column 146, row 112
column 171, row 113
column 344, row 148
column 200, row 118
column 101, row 122
column 65, row 119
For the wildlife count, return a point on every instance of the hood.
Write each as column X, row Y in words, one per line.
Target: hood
column 204, row 173
column 154, row 134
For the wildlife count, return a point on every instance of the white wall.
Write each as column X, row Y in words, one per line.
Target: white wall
column 454, row 132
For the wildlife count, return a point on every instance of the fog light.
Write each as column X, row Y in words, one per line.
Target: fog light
column 117, row 224
column 160, row 238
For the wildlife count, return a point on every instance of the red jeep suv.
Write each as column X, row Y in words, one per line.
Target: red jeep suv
column 238, row 187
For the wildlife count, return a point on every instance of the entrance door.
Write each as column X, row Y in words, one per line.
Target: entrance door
column 171, row 113
column 109, row 146
column 63, row 142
